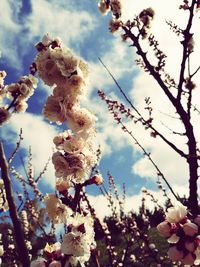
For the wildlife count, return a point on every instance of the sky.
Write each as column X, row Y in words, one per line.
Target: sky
column 85, row 31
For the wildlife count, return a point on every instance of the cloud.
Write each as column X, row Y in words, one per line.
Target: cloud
column 9, row 31
column 59, row 19
column 132, row 202
column 20, row 31
column 38, row 135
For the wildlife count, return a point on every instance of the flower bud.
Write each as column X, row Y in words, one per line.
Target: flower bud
column 197, row 220
column 55, row 264
column 188, row 259
column 176, row 214
column 97, row 179
column 190, row 229
column 39, row 262
column 164, row 228
column 175, row 254
column 190, row 246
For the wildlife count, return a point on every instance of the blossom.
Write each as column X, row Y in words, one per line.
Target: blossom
column 197, row 220
column 48, row 71
column 62, row 185
column 3, row 201
column 2, row 77
column 47, row 40
column 57, row 211
column 175, row 254
column 164, row 228
column 190, row 229
column 83, row 66
column 75, row 243
column 76, row 166
column 80, row 120
column 176, row 214
column 52, row 248
column 55, row 264
column 173, row 239
column 103, row 7
column 60, row 164
column 70, row 165
column 21, row 106
column 188, row 259
column 74, row 144
column 39, row 262
column 197, row 254
column 114, row 25
column 116, row 8
column 24, row 88
column 97, row 179
column 54, row 109
column 80, row 238
column 66, row 62
column 1, row 250
column 72, row 262
column 190, row 246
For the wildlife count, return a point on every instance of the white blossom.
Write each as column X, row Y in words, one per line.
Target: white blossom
column 57, row 211
column 177, row 213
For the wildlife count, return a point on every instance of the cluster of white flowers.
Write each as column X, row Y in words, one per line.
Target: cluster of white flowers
column 18, row 93
column 3, row 200
column 115, row 6
column 59, row 68
column 57, row 211
column 79, row 241
column 182, row 234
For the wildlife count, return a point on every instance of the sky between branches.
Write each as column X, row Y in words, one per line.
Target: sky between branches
column 85, row 31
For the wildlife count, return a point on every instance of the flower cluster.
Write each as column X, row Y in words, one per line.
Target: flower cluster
column 17, row 93
column 57, row 211
column 3, row 201
column 75, row 155
column 115, row 6
column 182, row 234
column 79, row 240
column 58, row 67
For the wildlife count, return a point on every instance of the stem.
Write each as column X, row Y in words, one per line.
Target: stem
column 17, row 226
column 77, row 197
column 95, row 259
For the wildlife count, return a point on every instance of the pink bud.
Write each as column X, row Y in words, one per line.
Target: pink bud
column 190, row 229
column 164, row 228
column 39, row 262
column 189, row 259
column 55, row 264
column 190, row 246
column 175, row 254
column 197, row 220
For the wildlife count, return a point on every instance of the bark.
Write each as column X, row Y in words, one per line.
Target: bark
column 17, row 226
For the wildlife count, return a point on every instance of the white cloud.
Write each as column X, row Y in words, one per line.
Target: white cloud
column 9, row 30
column 38, row 135
column 18, row 34
column 59, row 19
column 132, row 202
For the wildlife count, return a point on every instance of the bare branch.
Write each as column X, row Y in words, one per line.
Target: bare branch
column 187, row 38
column 18, row 230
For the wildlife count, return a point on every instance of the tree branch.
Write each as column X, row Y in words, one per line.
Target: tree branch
column 18, row 230
column 187, row 37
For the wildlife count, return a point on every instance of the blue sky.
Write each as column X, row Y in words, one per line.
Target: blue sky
column 84, row 30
